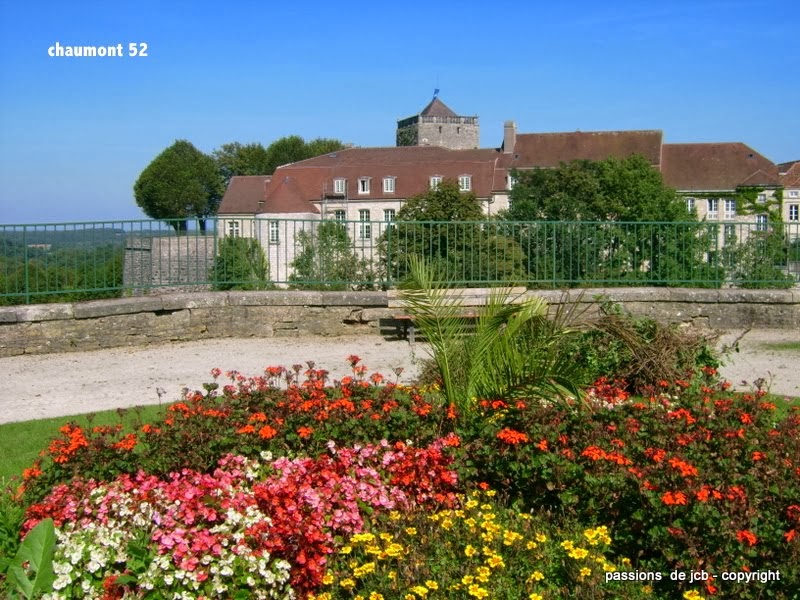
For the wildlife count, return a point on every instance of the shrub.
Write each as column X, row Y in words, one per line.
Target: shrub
column 240, row 265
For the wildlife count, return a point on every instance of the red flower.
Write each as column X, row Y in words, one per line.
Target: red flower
column 759, row 456
column 673, row 498
column 542, row 445
column 746, row 418
column 267, row 432
column 305, row 432
column 747, row 537
column 511, row 436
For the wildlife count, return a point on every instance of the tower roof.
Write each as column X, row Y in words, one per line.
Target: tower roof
column 437, row 108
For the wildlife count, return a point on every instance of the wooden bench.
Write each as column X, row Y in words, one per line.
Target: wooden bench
column 470, row 298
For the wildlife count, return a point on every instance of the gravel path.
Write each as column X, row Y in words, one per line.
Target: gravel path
column 55, row 385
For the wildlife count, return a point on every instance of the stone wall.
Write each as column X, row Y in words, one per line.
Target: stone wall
column 42, row 328
column 167, row 263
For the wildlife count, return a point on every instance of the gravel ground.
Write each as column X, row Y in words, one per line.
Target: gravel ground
column 56, row 385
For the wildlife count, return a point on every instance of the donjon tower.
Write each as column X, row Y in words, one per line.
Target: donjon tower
column 437, row 125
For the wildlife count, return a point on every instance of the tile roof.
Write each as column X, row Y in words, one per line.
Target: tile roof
column 437, row 108
column 716, row 166
column 243, row 194
column 791, row 177
column 286, row 195
column 551, row 149
column 786, row 166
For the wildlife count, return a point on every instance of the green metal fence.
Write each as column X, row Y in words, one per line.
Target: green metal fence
column 78, row 261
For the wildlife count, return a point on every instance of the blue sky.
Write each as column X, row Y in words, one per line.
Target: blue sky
column 76, row 132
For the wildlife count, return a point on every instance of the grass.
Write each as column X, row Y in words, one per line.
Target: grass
column 21, row 442
column 790, row 346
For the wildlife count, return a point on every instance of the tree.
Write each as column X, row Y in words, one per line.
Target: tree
column 179, row 184
column 446, row 227
column 236, row 159
column 326, row 259
column 610, row 221
column 294, row 148
column 240, row 265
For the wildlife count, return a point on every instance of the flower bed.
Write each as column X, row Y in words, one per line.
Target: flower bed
column 286, row 485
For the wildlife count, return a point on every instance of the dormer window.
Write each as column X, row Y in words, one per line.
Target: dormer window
column 435, row 181
column 388, row 185
column 339, row 186
column 363, row 185
column 465, row 183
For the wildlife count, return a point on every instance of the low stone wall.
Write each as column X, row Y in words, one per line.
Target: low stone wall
column 42, row 328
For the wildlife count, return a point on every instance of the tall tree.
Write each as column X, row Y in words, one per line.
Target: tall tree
column 650, row 234
column 294, row 148
column 179, row 184
column 241, row 159
column 446, row 227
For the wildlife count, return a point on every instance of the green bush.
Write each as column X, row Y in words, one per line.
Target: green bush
column 240, row 265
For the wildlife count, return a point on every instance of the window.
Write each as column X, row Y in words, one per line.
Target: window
column 761, row 222
column 339, row 186
column 274, row 232
column 340, row 215
column 388, row 185
column 730, row 209
column 435, row 181
column 234, row 229
column 511, row 182
column 363, row 185
column 794, row 212
column 364, row 228
column 713, row 208
column 465, row 183
column 388, row 215
column 729, row 234
column 762, row 197
column 794, row 194
column 690, row 204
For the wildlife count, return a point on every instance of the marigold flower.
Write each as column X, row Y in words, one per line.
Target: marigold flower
column 267, row 432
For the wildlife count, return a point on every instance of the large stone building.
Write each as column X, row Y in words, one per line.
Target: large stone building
column 437, row 125
column 365, row 187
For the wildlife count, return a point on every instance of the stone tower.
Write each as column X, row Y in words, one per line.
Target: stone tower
column 437, row 125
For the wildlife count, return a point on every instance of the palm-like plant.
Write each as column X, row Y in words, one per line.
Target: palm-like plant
column 513, row 350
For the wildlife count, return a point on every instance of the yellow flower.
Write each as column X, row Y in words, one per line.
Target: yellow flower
column 495, row 562
column 509, row 537
column 376, row 596
column 692, row 595
column 328, row 579
column 470, row 551
column 540, row 537
column 531, row 545
column 347, row 583
column 585, row 572
column 392, row 575
column 386, row 537
column 487, row 507
column 363, row 570
column 411, row 530
column 536, row 597
column 431, row 585
column 346, row 550
column 394, row 550
column 567, row 545
column 446, row 524
column 420, row 590
column 483, row 574
column 477, row 591
column 395, row 515
column 471, row 523
column 373, row 549
column 579, row 553
column 471, row 504
column 467, row 579
column 536, row 576
column 362, row 537
column 491, row 493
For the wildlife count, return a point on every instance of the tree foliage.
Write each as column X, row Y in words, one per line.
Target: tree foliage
column 650, row 235
column 444, row 226
column 326, row 259
column 179, row 184
column 241, row 159
column 240, row 265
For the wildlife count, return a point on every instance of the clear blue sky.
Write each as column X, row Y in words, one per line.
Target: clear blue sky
column 76, row 132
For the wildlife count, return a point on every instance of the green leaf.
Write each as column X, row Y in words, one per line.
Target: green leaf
column 36, row 551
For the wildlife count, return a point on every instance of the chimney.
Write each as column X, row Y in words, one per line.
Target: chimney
column 509, row 136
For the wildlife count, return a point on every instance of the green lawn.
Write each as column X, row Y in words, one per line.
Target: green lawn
column 792, row 346
column 21, row 442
